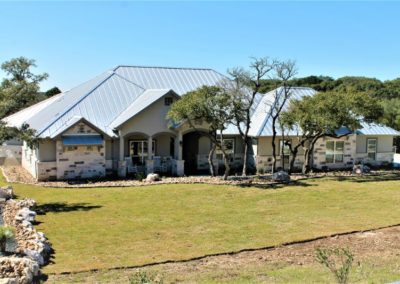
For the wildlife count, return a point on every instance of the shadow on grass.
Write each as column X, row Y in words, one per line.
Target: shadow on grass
column 369, row 178
column 60, row 207
column 278, row 185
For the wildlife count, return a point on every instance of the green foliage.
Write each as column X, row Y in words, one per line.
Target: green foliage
column 6, row 233
column 337, row 260
column 326, row 112
column 51, row 92
column 143, row 277
column 24, row 133
column 20, row 89
column 391, row 113
column 140, row 176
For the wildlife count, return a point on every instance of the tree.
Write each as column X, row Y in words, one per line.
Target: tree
column 210, row 105
column 21, row 87
column 285, row 71
column 52, row 92
column 323, row 114
column 242, row 91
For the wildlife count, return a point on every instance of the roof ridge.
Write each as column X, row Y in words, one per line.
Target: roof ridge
column 162, row 67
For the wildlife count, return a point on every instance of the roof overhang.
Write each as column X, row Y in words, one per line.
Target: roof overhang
column 73, row 121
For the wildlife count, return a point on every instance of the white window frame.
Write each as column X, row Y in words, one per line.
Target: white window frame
column 336, row 153
column 142, row 156
column 375, row 150
column 282, row 146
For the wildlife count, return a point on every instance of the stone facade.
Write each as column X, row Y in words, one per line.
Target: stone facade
column 81, row 161
column 349, row 153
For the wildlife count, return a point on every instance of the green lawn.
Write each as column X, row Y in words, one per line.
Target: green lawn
column 96, row 228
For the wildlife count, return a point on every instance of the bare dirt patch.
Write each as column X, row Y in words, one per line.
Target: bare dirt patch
column 382, row 244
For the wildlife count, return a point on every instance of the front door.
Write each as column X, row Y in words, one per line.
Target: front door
column 138, row 150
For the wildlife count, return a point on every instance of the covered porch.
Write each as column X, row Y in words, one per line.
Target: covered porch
column 157, row 153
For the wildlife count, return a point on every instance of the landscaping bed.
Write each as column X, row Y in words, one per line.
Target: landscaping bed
column 17, row 174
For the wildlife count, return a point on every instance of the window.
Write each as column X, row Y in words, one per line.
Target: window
column 81, row 128
column 229, row 146
column 371, row 148
column 334, row 151
column 284, row 151
column 70, row 148
column 89, row 148
column 138, row 150
column 168, row 101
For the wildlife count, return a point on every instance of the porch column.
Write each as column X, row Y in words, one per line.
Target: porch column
column 121, row 162
column 150, row 161
column 178, row 166
column 180, row 145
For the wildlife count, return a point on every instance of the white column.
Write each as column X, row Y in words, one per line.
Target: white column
column 150, row 148
column 150, row 161
column 121, row 162
column 180, row 144
column 121, row 146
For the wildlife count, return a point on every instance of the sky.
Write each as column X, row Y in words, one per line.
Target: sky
column 75, row 41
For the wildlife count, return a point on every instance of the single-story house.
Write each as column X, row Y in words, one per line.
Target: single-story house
column 116, row 123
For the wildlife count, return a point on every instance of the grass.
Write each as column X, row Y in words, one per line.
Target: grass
column 96, row 228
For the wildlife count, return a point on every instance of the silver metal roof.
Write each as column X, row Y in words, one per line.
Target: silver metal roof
column 376, row 129
column 113, row 97
column 261, row 120
column 181, row 80
column 102, row 99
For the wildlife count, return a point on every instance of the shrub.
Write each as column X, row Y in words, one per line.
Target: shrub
column 260, row 170
column 337, row 260
column 6, row 233
column 143, row 277
column 140, row 176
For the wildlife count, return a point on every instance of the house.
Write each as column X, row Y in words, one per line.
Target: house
column 116, row 123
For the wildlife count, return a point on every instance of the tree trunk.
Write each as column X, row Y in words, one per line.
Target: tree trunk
column 245, row 156
column 306, row 165
column 292, row 160
column 273, row 153
column 210, row 160
column 227, row 167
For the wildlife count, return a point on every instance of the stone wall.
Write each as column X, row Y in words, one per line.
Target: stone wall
column 76, row 162
column 349, row 153
column 81, row 161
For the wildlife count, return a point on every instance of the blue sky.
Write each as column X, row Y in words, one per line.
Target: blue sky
column 77, row 40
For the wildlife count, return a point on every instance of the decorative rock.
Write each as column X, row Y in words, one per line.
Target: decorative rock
column 281, row 176
column 25, row 214
column 6, row 192
column 18, row 269
column 152, row 178
column 34, row 255
column 360, row 169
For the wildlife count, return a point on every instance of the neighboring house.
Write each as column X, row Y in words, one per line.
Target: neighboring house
column 116, row 123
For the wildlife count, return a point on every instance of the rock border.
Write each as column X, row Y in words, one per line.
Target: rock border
column 32, row 248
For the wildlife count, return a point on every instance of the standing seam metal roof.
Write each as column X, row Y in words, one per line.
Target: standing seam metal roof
column 102, row 99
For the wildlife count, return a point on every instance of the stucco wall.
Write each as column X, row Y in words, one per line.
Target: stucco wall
column 150, row 121
column 29, row 158
column 384, row 143
column 47, row 150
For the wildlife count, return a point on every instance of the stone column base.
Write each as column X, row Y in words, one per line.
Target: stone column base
column 178, row 167
column 122, row 169
column 149, row 166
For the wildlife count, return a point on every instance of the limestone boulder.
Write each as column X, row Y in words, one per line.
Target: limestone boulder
column 153, row 178
column 25, row 214
column 281, row 176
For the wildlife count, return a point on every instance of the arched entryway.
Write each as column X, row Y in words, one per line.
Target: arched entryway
column 196, row 146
